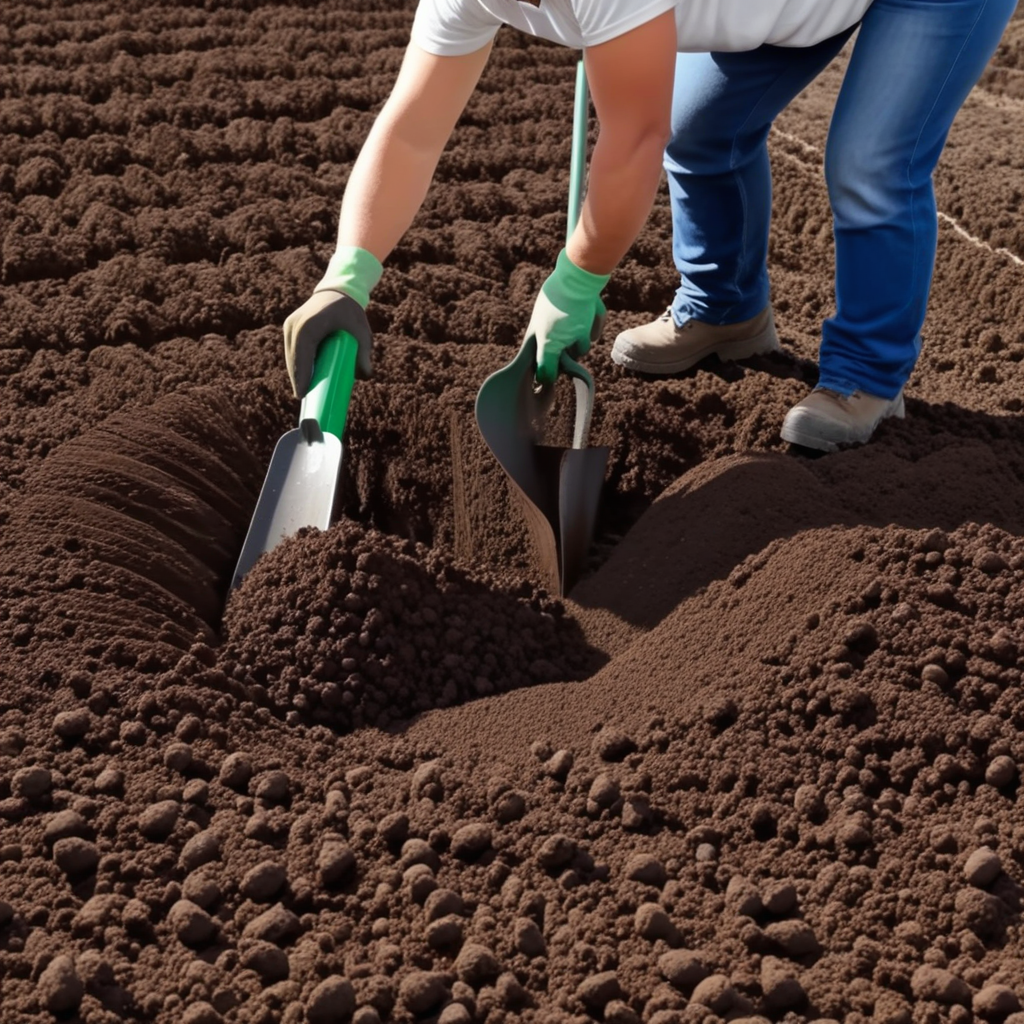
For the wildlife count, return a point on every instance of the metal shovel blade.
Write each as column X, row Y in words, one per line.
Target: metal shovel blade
column 302, row 478
column 559, row 488
column 297, row 491
column 579, row 495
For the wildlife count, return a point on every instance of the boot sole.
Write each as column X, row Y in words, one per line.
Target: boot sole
column 806, row 430
column 728, row 351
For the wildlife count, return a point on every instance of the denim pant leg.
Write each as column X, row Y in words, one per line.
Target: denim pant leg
column 719, row 177
column 912, row 66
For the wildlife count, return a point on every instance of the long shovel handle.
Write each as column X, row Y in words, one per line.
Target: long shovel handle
column 582, row 381
column 578, row 160
column 583, row 385
column 334, row 374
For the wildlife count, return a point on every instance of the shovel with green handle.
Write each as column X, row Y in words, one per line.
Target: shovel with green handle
column 302, row 478
column 559, row 488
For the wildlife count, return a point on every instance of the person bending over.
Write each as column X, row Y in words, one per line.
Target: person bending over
column 630, row 52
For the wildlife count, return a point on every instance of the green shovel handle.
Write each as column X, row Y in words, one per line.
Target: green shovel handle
column 334, row 374
column 578, row 157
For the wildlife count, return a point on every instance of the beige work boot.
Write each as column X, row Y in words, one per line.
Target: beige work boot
column 662, row 347
column 825, row 419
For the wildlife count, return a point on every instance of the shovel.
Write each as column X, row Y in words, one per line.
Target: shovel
column 559, row 488
column 302, row 478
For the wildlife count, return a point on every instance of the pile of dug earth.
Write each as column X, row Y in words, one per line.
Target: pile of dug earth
column 763, row 763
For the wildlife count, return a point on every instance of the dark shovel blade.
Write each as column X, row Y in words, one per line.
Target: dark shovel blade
column 507, row 409
column 559, row 488
column 507, row 406
column 579, row 495
column 298, row 491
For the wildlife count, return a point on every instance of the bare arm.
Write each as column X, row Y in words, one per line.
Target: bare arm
column 631, row 82
column 396, row 165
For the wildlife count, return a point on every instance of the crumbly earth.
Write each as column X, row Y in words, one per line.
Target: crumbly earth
column 763, row 763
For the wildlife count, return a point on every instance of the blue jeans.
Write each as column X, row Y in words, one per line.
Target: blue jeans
column 912, row 66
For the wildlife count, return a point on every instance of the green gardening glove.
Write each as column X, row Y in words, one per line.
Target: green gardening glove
column 567, row 316
column 337, row 304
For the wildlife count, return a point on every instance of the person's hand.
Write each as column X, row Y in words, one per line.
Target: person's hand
column 323, row 313
column 337, row 304
column 567, row 316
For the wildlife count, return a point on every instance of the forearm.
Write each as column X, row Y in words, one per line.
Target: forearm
column 391, row 177
column 387, row 186
column 624, row 179
column 630, row 81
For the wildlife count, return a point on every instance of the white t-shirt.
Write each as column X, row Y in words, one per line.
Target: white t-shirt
column 455, row 27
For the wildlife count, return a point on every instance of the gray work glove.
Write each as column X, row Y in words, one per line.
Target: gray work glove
column 327, row 310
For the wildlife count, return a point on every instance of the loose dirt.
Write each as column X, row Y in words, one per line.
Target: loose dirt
column 763, row 763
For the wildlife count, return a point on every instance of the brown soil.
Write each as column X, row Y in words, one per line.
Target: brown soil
column 764, row 762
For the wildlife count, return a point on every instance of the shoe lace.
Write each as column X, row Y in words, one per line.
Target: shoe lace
column 832, row 393
column 668, row 318
column 845, row 401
